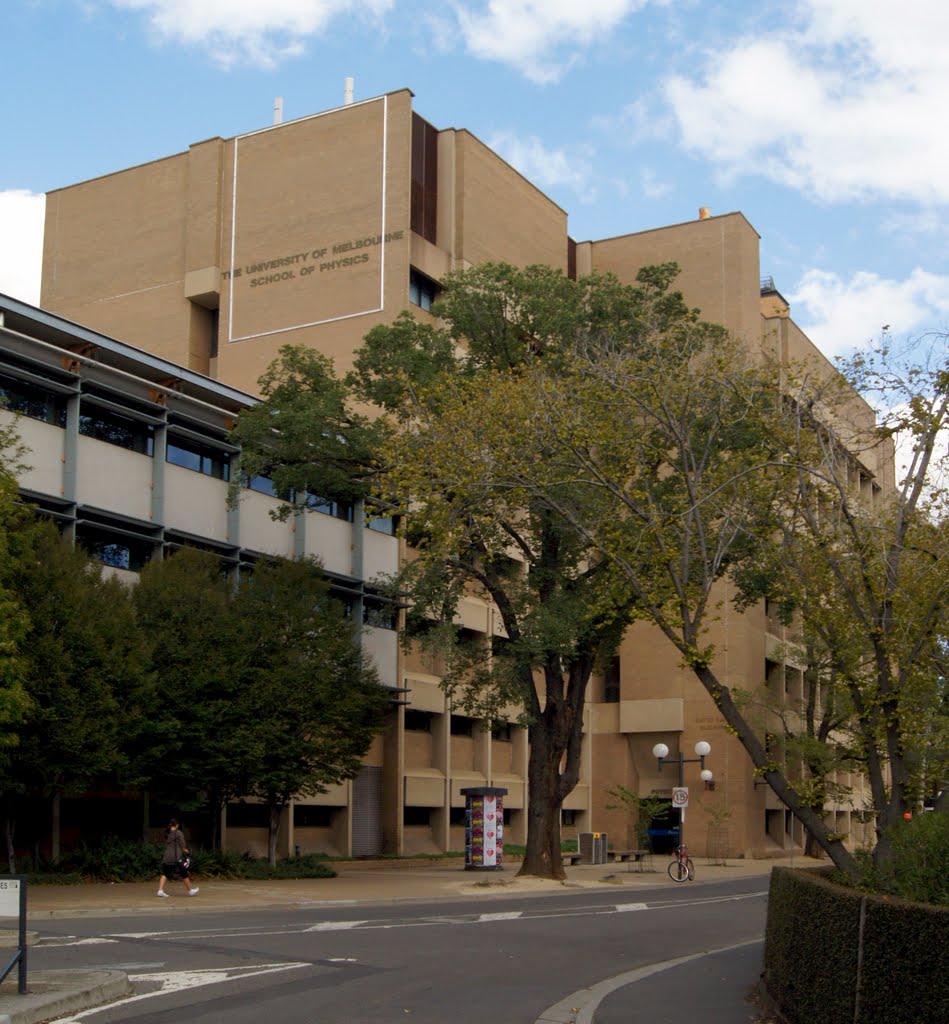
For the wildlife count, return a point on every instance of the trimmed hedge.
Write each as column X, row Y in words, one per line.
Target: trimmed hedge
column 123, row 860
column 813, row 948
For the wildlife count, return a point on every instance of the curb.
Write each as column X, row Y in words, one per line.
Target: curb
column 56, row 993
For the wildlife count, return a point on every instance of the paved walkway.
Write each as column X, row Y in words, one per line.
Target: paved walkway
column 55, row 993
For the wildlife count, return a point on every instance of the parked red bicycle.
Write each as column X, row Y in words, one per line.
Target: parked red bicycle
column 681, row 868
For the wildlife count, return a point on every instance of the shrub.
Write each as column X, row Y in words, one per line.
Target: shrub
column 919, row 868
column 122, row 860
column 833, row 954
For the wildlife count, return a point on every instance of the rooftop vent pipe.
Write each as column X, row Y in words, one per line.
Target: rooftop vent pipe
column 278, row 110
column 348, row 92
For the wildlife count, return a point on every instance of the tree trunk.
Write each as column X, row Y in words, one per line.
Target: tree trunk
column 542, row 856
column 273, row 824
column 778, row 781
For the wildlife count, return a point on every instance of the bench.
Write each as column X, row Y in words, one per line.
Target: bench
column 632, row 856
column 628, row 855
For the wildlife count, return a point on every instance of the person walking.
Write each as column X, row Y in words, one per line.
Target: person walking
column 176, row 862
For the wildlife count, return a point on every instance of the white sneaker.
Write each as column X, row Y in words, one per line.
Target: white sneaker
column 161, row 892
column 193, row 892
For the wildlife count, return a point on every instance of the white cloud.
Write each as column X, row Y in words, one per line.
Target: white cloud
column 840, row 316
column 652, row 186
column 544, row 167
column 258, row 32
column 21, row 243
column 541, row 38
column 845, row 106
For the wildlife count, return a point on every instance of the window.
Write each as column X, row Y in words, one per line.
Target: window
column 248, row 816
column 462, row 726
column 418, row 721
column 379, row 613
column 311, row 816
column 385, row 525
column 569, row 818
column 200, row 458
column 331, row 507
column 261, row 484
column 32, row 401
column 113, row 428
column 113, row 549
column 417, row 816
column 422, row 290
column 501, row 731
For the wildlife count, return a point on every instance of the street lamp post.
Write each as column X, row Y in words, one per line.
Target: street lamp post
column 702, row 749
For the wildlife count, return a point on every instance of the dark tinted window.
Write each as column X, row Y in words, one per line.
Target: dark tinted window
column 113, row 428
column 32, row 401
column 199, row 457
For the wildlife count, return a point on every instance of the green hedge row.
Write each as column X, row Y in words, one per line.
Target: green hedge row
column 813, row 966
column 121, row 860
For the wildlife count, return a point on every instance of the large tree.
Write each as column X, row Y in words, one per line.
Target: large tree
column 311, row 693
column 720, row 471
column 82, row 653
column 868, row 567
column 190, row 739
column 16, row 523
column 462, row 405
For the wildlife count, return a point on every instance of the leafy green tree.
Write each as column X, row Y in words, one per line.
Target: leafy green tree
column 304, row 435
column 311, row 694
column 80, row 654
column 648, row 438
column 192, row 739
column 868, row 569
column 705, row 458
column 456, row 394
column 641, row 812
column 15, row 523
column 258, row 686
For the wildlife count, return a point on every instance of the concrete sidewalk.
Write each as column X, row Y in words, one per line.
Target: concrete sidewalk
column 58, row 993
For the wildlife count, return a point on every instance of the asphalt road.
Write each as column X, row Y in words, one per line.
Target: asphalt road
column 428, row 962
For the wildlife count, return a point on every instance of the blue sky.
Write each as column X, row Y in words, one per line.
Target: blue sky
column 823, row 121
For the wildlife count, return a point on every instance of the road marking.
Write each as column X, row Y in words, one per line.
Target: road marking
column 179, row 981
column 72, row 940
column 190, row 935
column 334, row 926
column 579, row 1007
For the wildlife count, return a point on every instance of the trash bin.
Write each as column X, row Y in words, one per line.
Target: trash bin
column 592, row 847
column 484, row 828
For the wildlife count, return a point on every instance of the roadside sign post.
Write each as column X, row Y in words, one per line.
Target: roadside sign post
column 13, row 904
column 680, row 793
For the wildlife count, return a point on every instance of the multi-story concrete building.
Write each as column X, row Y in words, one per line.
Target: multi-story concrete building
column 313, row 231
column 129, row 453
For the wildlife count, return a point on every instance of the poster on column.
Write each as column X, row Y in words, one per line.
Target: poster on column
column 490, row 831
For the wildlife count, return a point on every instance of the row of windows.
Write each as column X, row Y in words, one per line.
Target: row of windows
column 35, row 402
column 460, row 725
column 111, row 427
column 345, row 510
column 241, row 815
column 123, row 552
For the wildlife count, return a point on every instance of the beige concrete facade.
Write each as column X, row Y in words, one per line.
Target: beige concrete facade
column 314, row 231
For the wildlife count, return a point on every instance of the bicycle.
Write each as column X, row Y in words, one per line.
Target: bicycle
column 681, row 868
